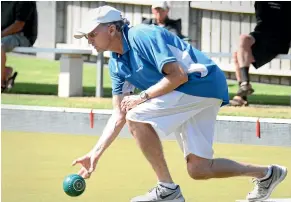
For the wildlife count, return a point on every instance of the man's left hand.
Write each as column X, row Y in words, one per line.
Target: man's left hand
column 130, row 102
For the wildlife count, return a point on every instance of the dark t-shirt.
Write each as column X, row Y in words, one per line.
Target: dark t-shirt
column 171, row 25
column 274, row 17
column 21, row 11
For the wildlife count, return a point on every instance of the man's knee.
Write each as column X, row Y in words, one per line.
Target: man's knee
column 8, row 43
column 198, row 168
column 246, row 41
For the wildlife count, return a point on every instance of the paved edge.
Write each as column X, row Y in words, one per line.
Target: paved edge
column 109, row 111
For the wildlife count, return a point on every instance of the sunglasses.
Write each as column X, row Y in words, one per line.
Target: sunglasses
column 91, row 35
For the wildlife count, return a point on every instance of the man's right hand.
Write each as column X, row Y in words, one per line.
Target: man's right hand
column 88, row 164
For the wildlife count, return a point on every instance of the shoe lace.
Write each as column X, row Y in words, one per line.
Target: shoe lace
column 156, row 187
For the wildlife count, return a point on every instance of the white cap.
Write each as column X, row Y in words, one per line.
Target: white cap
column 102, row 14
column 160, row 4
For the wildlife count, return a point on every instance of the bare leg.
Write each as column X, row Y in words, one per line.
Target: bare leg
column 200, row 168
column 237, row 72
column 150, row 144
column 244, row 53
column 238, row 100
column 242, row 60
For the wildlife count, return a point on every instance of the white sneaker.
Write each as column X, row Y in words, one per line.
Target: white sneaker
column 161, row 193
column 264, row 188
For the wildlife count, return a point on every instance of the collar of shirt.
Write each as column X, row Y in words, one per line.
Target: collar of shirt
column 125, row 43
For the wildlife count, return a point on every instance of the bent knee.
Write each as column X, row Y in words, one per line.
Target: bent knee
column 245, row 41
column 199, row 168
column 198, row 176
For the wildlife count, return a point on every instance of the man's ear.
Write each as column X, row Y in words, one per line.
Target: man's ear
column 112, row 30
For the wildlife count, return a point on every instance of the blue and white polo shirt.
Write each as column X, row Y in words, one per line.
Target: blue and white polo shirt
column 146, row 48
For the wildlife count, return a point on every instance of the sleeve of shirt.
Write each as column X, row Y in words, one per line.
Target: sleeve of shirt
column 153, row 47
column 119, row 84
column 117, row 80
column 24, row 10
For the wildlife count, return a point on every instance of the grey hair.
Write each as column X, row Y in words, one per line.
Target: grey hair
column 119, row 24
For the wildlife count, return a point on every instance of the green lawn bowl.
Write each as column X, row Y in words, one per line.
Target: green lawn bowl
column 74, row 185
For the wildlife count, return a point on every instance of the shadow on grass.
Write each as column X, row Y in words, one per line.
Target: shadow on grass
column 231, row 84
column 52, row 89
column 256, row 98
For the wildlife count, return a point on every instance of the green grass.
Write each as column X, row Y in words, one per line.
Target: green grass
column 37, row 85
column 34, row 166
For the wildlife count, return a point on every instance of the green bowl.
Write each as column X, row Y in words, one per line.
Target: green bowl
column 74, row 185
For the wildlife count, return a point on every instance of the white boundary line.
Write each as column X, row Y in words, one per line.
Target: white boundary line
column 253, row 119
column 109, row 112
column 271, row 200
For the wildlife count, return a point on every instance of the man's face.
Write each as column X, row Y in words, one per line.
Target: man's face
column 160, row 14
column 100, row 37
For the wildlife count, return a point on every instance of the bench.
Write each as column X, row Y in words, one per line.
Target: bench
column 71, row 68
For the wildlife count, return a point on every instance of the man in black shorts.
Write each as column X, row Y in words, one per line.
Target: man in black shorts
column 271, row 37
column 18, row 28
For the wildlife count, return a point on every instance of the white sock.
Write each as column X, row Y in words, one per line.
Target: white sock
column 268, row 173
column 169, row 185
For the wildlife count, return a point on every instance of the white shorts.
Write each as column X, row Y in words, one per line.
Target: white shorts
column 192, row 119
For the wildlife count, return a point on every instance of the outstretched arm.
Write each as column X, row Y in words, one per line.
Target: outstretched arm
column 110, row 132
column 112, row 128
